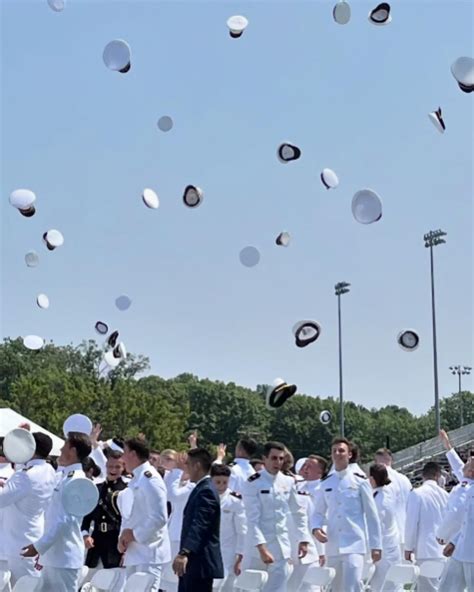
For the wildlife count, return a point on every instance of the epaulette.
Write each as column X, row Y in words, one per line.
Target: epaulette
column 235, row 494
column 231, row 464
column 464, row 483
column 324, row 478
column 253, row 477
column 70, row 474
column 148, row 474
column 360, row 475
column 376, row 494
column 302, row 493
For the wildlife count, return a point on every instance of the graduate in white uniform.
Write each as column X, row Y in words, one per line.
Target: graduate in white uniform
column 25, row 497
column 455, row 462
column 348, row 509
column 270, row 500
column 6, row 471
column 241, row 468
column 457, row 530
column 386, row 504
column 233, row 526
column 61, row 548
column 425, row 511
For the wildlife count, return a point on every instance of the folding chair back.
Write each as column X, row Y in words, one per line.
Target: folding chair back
column 251, row 580
column 319, row 576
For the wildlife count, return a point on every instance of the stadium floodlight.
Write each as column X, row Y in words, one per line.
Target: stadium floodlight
column 460, row 371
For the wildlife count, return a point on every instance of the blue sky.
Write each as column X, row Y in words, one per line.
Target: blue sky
column 354, row 98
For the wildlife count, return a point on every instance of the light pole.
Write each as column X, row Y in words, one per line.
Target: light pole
column 460, row 370
column 340, row 288
column 432, row 239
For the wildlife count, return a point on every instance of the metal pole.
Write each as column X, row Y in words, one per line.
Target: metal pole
column 460, row 398
column 341, row 396
column 435, row 351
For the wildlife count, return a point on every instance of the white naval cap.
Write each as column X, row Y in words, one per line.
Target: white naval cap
column 111, row 360
column 306, row 332
column 463, row 71
column 237, row 25
column 341, row 12
column 123, row 302
column 329, row 179
column 42, row 301
column 19, row 446
column 299, row 464
column 408, row 340
column 57, row 5
column 53, row 239
column 437, row 120
column 79, row 496
column 193, row 196
column 165, row 123
column 249, row 256
column 325, row 417
column 380, row 15
column 150, row 199
column 112, row 339
column 23, row 200
column 101, row 328
column 77, row 423
column 366, row 206
column 287, row 152
column 33, row 342
column 31, row 259
column 279, row 392
column 117, row 56
column 283, row 239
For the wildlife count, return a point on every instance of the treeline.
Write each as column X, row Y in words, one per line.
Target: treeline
column 50, row 384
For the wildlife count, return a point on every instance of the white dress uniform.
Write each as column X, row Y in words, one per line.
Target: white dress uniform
column 25, row 497
column 61, row 548
column 387, row 507
column 456, row 464
column 270, row 503
column 401, row 487
column 241, row 471
column 347, row 507
column 425, row 511
column 178, row 495
column 233, row 529
column 458, row 528
column 6, row 471
column 148, row 521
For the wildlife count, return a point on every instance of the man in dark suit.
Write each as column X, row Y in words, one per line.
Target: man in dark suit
column 199, row 560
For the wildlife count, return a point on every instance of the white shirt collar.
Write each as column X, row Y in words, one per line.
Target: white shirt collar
column 35, row 462
column 241, row 461
column 202, row 479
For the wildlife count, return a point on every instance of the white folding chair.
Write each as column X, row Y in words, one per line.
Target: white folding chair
column 432, row 569
column 27, row 584
column 104, row 580
column 4, row 580
column 251, row 580
column 319, row 576
column 405, row 575
column 139, row 582
column 367, row 574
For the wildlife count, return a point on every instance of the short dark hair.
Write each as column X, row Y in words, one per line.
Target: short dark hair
column 202, row 456
column 139, row 446
column 1, row 445
column 431, row 470
column 341, row 440
column 220, row 470
column 82, row 444
column 154, row 451
column 321, row 461
column 114, row 455
column 89, row 464
column 255, row 461
column 249, row 445
column 379, row 474
column 384, row 452
column 273, row 445
column 355, row 450
column 44, row 444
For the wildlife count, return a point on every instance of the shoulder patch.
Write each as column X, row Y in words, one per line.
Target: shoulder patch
column 235, row 494
column 148, row 474
column 360, row 475
column 253, row 477
column 70, row 474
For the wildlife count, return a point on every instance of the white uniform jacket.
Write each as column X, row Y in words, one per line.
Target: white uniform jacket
column 6, row 471
column 62, row 544
column 148, row 519
column 425, row 511
column 306, row 503
column 386, row 504
column 178, row 495
column 400, row 486
column 456, row 464
column 458, row 523
column 233, row 527
column 270, row 502
column 347, row 506
column 314, row 489
column 241, row 471
column 26, row 496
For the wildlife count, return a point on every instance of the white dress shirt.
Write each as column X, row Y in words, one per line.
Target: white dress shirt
column 400, row 486
column 241, row 471
column 233, row 527
column 386, row 505
column 178, row 495
column 457, row 526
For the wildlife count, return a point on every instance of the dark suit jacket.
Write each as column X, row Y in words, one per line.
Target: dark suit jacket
column 200, row 532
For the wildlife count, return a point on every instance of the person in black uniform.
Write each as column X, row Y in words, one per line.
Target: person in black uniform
column 101, row 545
column 199, row 560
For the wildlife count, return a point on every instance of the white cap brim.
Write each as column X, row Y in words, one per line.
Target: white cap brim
column 117, row 56
column 249, row 256
column 77, row 423
column 33, row 342
column 19, row 446
column 79, row 496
